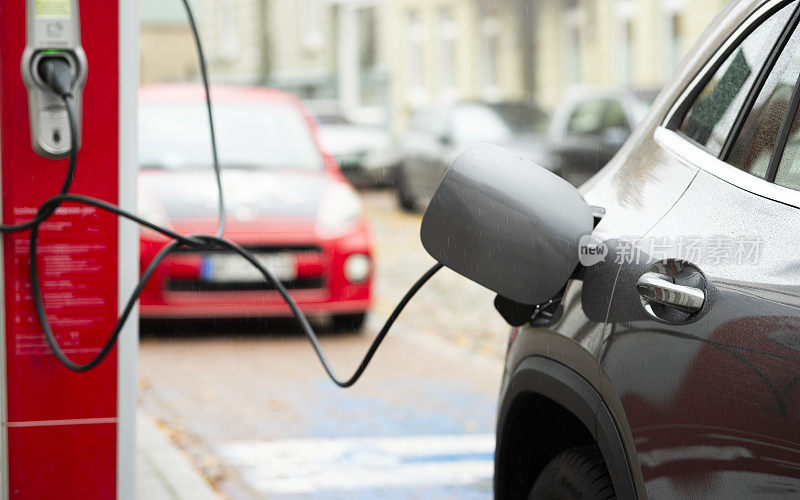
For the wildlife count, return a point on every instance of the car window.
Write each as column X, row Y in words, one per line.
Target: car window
column 788, row 174
column 755, row 143
column 711, row 117
column 615, row 117
column 477, row 123
column 587, row 119
column 789, row 168
column 274, row 135
column 522, row 118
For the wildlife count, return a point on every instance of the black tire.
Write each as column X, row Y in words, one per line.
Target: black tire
column 572, row 474
column 349, row 322
column 405, row 199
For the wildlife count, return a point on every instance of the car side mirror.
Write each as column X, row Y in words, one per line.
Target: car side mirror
column 507, row 224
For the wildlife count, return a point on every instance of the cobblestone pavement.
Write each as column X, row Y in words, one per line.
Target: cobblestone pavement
column 259, row 418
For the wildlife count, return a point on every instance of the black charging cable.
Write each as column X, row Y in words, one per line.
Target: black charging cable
column 201, row 58
column 202, row 242
column 199, row 242
column 57, row 74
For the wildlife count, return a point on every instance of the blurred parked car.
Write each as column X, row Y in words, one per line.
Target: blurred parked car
column 286, row 201
column 438, row 134
column 366, row 153
column 589, row 127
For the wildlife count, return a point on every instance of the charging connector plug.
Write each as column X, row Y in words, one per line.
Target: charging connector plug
column 57, row 74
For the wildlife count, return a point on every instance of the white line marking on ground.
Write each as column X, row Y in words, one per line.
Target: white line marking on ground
column 312, row 465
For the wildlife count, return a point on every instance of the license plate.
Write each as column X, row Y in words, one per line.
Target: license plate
column 226, row 268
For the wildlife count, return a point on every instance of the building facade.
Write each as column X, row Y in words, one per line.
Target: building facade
column 166, row 47
column 380, row 60
column 635, row 43
column 452, row 50
column 234, row 35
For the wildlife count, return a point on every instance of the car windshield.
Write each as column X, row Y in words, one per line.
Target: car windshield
column 269, row 136
column 331, row 119
column 476, row 123
column 522, row 118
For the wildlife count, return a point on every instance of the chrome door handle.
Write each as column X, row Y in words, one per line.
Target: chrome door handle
column 662, row 289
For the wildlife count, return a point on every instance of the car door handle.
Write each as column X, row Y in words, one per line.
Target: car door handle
column 662, row 289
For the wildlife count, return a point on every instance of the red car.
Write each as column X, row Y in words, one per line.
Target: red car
column 286, row 199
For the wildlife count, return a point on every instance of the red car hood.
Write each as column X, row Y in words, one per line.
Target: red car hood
column 249, row 194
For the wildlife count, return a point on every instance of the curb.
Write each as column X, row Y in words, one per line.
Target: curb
column 163, row 471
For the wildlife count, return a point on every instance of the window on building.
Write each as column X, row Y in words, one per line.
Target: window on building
column 711, row 117
column 228, row 31
column 628, row 55
column 625, row 12
column 414, row 41
column 674, row 33
column 675, row 39
column 573, row 43
column 447, row 51
column 490, row 46
column 574, row 54
column 310, row 26
column 372, row 84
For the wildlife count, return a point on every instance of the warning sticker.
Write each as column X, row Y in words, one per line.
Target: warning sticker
column 74, row 267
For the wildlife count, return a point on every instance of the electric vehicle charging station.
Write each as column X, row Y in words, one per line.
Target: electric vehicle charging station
column 65, row 433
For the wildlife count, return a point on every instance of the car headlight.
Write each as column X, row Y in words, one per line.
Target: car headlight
column 356, row 268
column 339, row 211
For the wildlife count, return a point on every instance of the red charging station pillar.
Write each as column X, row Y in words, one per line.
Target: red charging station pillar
column 67, row 434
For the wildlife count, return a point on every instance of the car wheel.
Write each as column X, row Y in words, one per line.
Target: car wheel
column 404, row 198
column 575, row 473
column 349, row 322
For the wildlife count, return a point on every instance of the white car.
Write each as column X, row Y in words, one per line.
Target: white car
column 366, row 153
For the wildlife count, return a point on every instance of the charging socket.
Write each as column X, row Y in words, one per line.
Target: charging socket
column 53, row 33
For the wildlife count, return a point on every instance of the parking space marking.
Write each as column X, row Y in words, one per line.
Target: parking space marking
column 303, row 466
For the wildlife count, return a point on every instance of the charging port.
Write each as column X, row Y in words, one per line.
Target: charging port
column 56, row 73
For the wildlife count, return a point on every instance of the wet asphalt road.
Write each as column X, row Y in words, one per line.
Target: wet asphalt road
column 257, row 415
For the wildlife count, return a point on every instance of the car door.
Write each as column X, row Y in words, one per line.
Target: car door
column 413, row 145
column 441, row 146
column 428, row 153
column 702, row 340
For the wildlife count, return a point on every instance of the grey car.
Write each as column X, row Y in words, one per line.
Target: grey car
column 619, row 372
column 590, row 125
column 439, row 133
column 366, row 153
column 659, row 356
